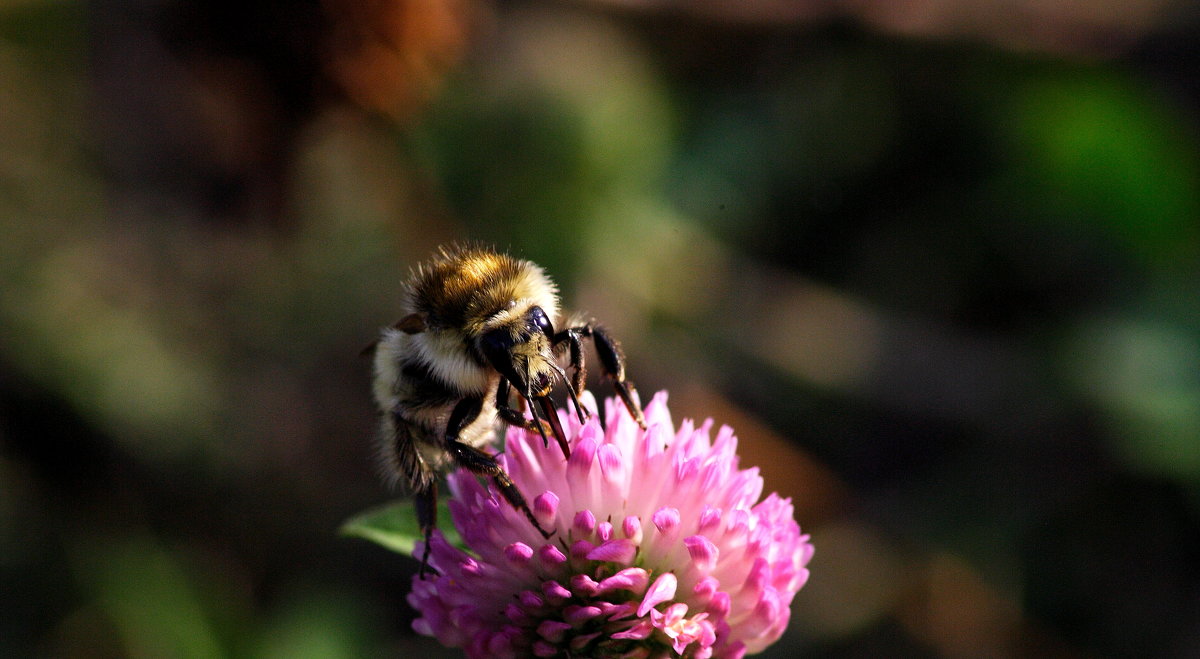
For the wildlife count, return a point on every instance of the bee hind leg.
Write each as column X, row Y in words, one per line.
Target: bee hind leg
column 425, row 501
column 404, row 461
column 478, row 462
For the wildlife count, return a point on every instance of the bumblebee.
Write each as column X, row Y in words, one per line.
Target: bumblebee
column 479, row 325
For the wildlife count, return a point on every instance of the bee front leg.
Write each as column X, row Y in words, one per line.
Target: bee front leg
column 513, row 416
column 478, row 462
column 574, row 338
column 612, row 363
column 545, row 427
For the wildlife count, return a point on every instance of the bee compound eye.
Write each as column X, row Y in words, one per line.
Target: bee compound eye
column 496, row 343
column 496, row 347
column 539, row 321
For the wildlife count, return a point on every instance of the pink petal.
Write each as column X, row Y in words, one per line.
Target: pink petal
column 736, row 650
column 580, row 463
column 518, row 552
column 656, row 412
column 666, row 519
column 500, row 645
column 577, row 615
column 555, row 592
column 633, row 579
column 616, row 611
column 620, row 551
column 632, row 528
column 550, row 555
column 580, row 549
column 709, row 518
column 545, row 507
column 705, row 589
column 516, row 614
column 662, row 590
column 765, row 612
column 720, row 605
column 584, row 586
column 703, row 552
column 580, row 642
column 530, row 599
column 511, row 596
column 612, row 463
column 584, row 523
column 637, row 632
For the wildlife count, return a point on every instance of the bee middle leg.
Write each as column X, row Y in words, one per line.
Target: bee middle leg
column 479, row 462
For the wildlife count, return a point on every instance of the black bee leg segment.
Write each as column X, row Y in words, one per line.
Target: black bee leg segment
column 478, row 462
column 483, row 464
column 465, row 412
column 583, row 414
column 425, row 501
column 514, row 417
column 541, row 425
column 626, row 391
column 408, row 464
column 613, row 364
column 574, row 338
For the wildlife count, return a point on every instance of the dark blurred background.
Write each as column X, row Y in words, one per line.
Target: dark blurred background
column 935, row 260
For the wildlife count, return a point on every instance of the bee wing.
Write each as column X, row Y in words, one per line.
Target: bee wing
column 413, row 323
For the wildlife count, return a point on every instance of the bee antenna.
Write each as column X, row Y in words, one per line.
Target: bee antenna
column 541, row 426
column 571, row 391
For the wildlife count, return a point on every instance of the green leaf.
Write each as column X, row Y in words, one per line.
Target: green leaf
column 394, row 526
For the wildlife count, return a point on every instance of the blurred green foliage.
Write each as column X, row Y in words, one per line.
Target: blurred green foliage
column 1110, row 150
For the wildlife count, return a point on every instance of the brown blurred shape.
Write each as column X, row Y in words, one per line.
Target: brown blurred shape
column 1101, row 28
column 199, row 106
column 816, row 492
column 390, row 56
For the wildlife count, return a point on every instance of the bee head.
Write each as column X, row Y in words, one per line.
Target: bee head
column 521, row 349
